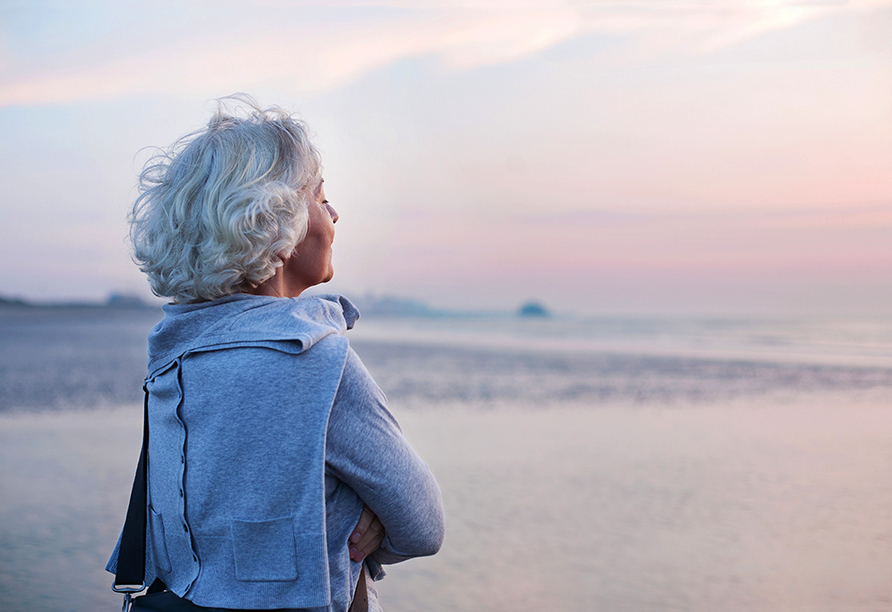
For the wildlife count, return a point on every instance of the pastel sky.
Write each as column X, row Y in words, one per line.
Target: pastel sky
column 709, row 156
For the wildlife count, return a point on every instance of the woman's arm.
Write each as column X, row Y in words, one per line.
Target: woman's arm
column 366, row 450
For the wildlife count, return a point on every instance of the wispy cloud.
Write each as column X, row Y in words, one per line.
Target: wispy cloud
column 242, row 50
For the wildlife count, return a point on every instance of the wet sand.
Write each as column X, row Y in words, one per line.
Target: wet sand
column 780, row 504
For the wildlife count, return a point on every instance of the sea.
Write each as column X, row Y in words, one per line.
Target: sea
column 615, row 463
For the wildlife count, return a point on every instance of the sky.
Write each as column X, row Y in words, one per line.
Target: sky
column 650, row 156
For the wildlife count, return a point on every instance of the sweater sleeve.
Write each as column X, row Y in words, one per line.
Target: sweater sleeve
column 366, row 449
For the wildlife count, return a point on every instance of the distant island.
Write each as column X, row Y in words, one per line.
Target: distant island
column 372, row 305
column 13, row 302
column 533, row 309
column 390, row 306
column 125, row 300
column 115, row 300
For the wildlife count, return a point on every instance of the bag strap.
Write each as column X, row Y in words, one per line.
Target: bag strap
column 131, row 570
column 360, row 601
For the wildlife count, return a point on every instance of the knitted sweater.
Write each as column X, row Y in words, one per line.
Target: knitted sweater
column 267, row 435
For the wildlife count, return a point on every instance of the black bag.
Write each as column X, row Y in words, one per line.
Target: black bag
column 164, row 601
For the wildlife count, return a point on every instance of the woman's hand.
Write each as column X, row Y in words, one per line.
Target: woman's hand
column 367, row 536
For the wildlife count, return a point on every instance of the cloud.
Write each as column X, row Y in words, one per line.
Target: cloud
column 705, row 26
column 306, row 55
column 309, row 58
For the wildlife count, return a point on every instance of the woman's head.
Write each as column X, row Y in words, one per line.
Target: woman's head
column 217, row 211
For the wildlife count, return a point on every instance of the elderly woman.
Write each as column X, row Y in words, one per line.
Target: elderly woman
column 278, row 479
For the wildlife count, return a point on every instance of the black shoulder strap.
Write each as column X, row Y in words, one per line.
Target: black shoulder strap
column 131, row 569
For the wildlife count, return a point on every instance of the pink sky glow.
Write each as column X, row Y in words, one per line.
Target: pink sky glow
column 611, row 156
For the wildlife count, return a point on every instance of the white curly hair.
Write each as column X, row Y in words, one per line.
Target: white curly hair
column 216, row 209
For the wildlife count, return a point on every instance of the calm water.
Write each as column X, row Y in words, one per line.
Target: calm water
column 606, row 464
column 76, row 358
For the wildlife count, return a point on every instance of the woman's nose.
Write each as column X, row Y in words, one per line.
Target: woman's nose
column 333, row 213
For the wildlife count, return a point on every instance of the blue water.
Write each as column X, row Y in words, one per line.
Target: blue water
column 73, row 358
column 64, row 358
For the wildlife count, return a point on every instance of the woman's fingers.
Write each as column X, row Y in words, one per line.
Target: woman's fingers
column 365, row 519
column 367, row 536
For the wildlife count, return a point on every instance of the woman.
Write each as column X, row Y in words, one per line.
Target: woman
column 277, row 479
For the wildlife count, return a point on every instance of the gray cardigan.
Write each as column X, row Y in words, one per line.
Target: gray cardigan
column 267, row 436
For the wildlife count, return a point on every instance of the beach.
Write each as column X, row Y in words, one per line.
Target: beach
column 770, row 496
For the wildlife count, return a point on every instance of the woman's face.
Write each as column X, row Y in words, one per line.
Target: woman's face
column 311, row 263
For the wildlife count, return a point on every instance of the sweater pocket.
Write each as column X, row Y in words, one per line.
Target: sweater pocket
column 159, row 544
column 264, row 551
